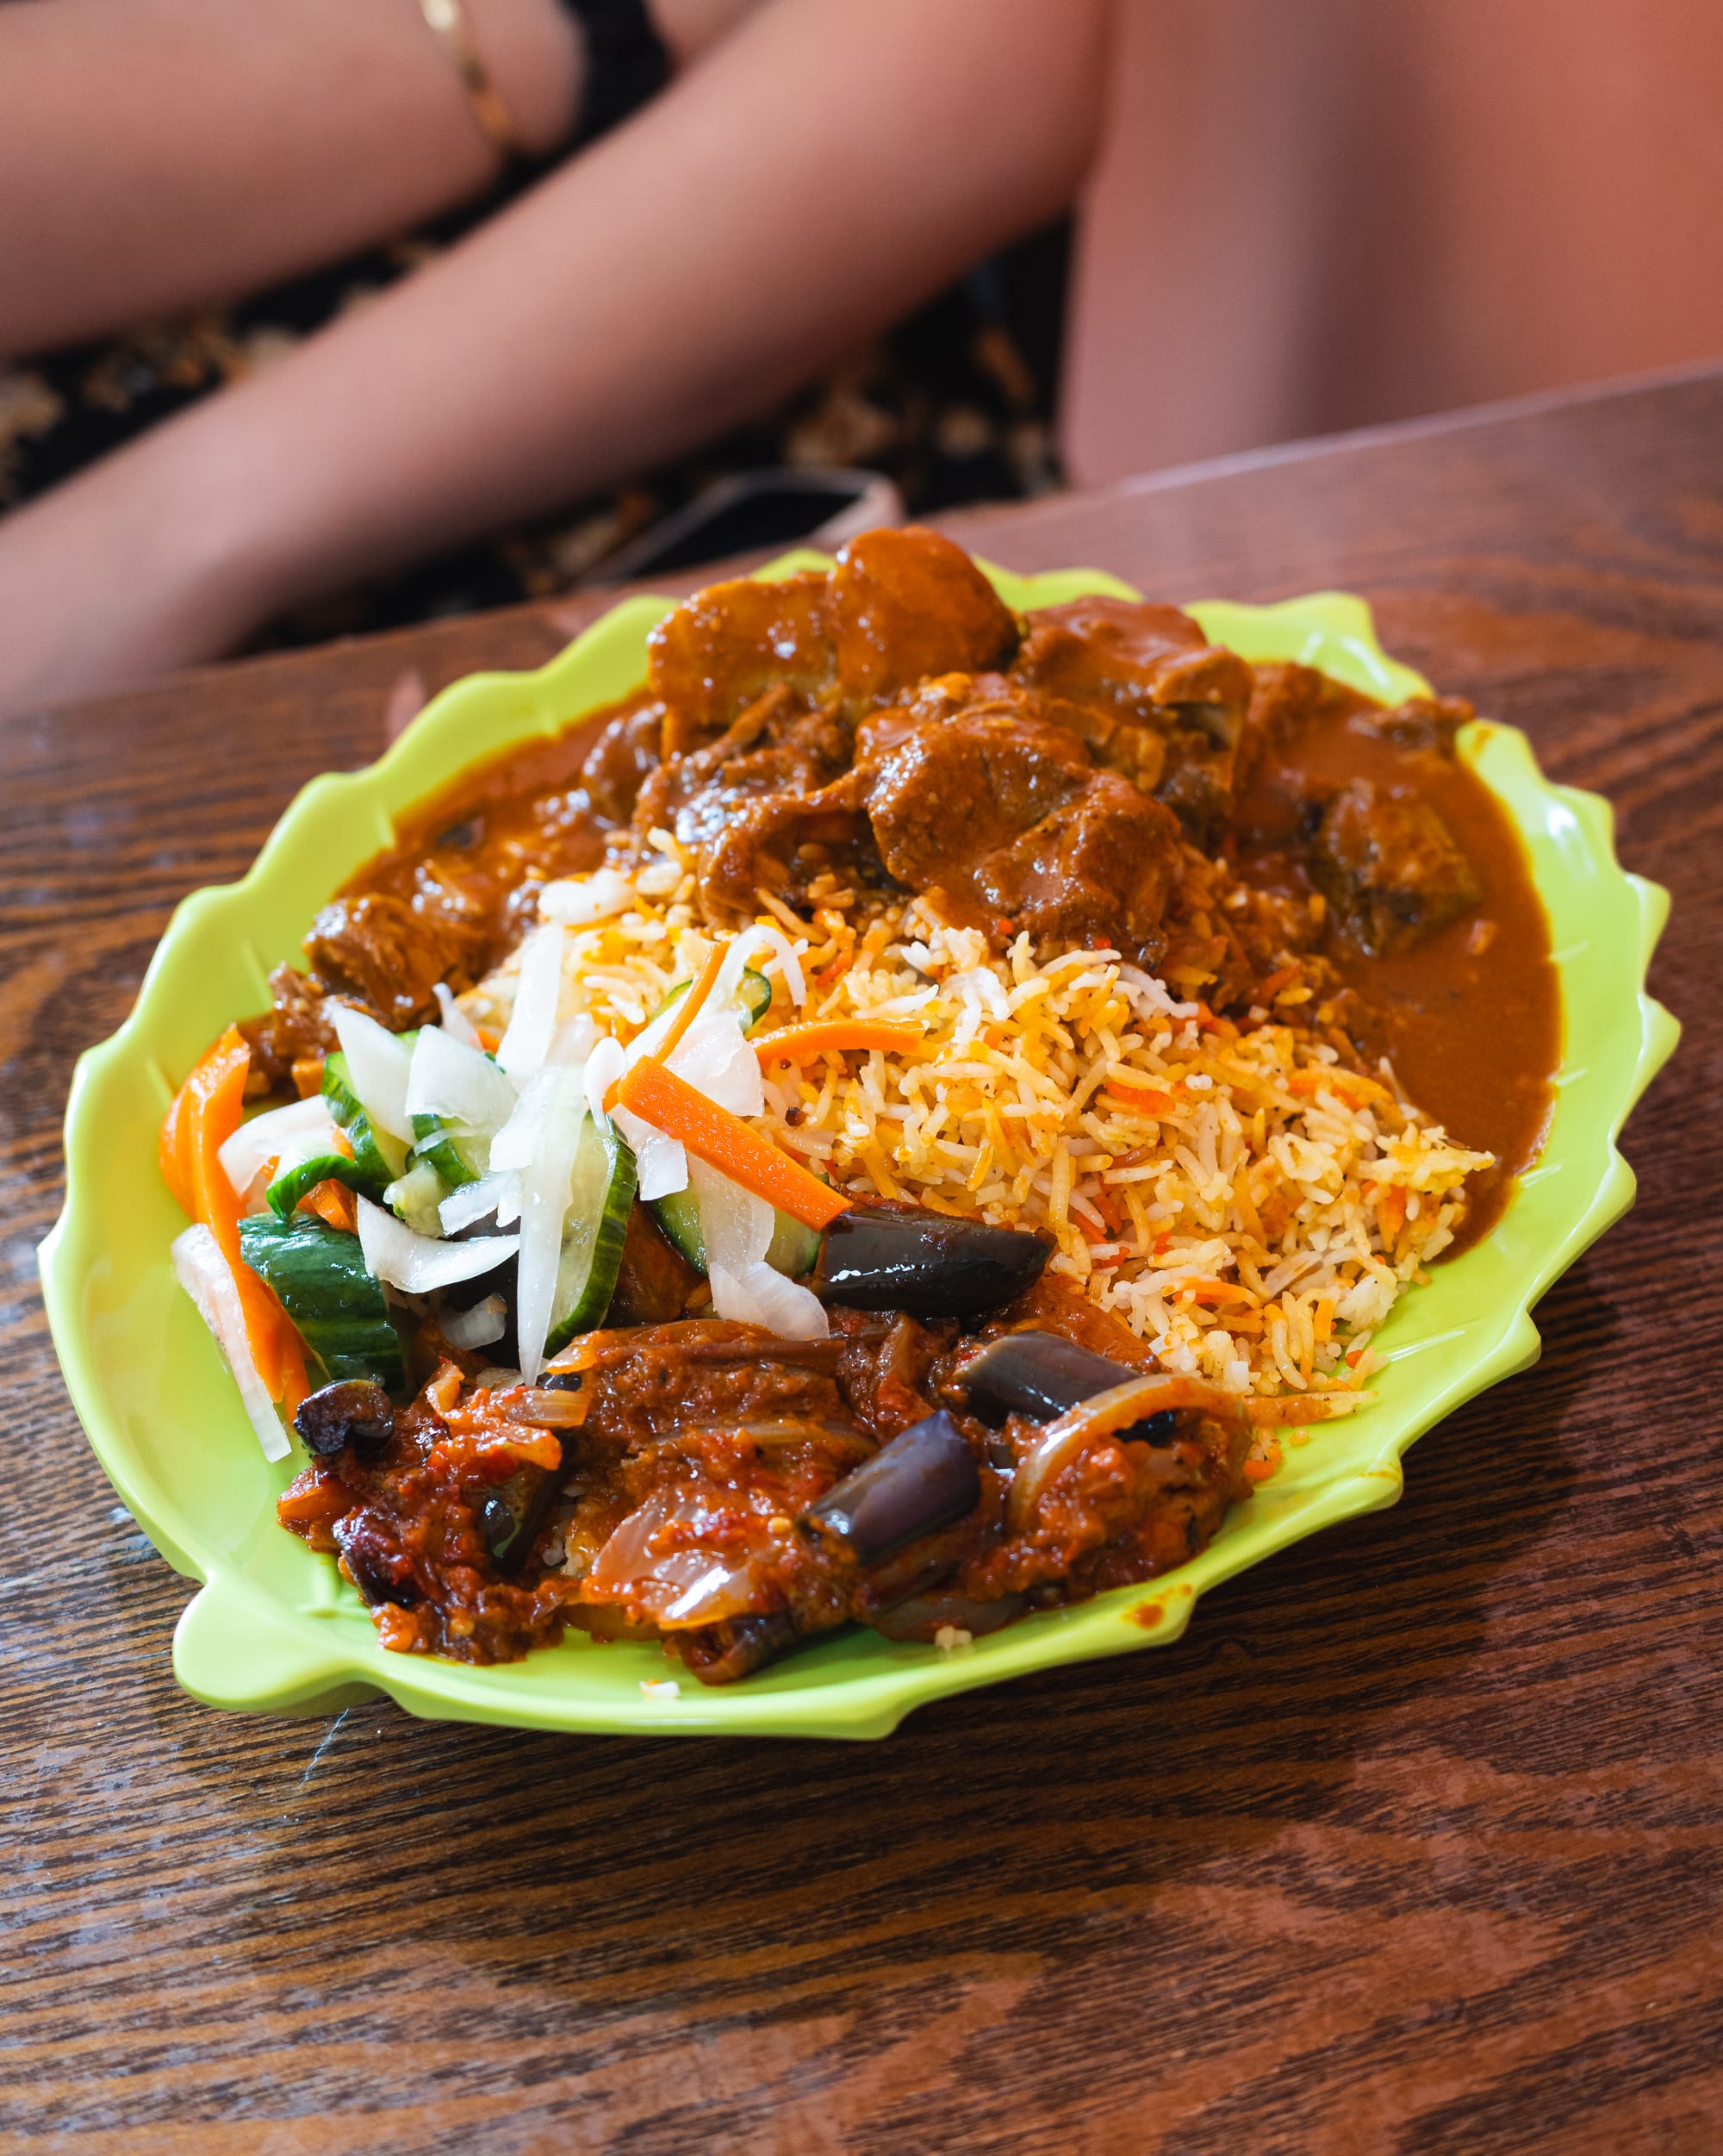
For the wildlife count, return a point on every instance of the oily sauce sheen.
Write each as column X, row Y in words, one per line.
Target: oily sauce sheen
column 1471, row 1016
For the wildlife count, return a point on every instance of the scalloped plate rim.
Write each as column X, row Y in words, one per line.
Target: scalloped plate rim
column 309, row 1674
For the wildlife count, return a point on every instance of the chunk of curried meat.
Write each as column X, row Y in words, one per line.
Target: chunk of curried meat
column 1006, row 815
column 907, row 603
column 296, row 1023
column 1151, row 696
column 1421, row 722
column 711, row 657
column 619, row 763
column 759, row 807
column 388, row 953
column 1390, row 868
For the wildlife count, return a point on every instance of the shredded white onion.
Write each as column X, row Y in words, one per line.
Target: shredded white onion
column 498, row 1192
column 758, row 1295
column 715, row 1058
column 736, row 1227
column 538, row 988
column 547, row 1190
column 459, row 1083
column 377, row 1063
column 742, row 947
column 579, row 902
column 417, row 1264
column 297, row 1132
column 455, row 1019
column 204, row 1273
column 477, row 1327
column 604, row 1067
column 660, row 1162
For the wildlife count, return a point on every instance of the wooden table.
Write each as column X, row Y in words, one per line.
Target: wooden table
column 1412, row 1844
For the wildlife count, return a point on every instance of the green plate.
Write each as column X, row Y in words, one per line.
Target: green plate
column 276, row 1629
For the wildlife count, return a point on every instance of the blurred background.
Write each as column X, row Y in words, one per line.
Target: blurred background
column 342, row 313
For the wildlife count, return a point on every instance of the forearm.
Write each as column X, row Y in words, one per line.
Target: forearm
column 158, row 154
column 828, row 167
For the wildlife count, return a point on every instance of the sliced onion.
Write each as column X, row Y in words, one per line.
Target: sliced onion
column 455, row 1019
column 680, row 1586
column 538, row 990
column 498, row 1192
column 202, row 1272
column 298, row 1132
column 743, row 947
column 512, row 1146
column 606, row 1064
column 756, row 1295
column 417, row 1264
column 735, row 1226
column 458, row 1083
column 546, row 1189
column 660, row 1162
column 577, row 902
column 714, row 1057
column 1100, row 1415
column 477, row 1327
column 377, row 1063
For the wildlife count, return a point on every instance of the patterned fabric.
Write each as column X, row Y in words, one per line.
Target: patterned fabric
column 954, row 405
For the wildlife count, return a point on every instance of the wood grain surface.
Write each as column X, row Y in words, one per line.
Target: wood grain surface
column 1412, row 1844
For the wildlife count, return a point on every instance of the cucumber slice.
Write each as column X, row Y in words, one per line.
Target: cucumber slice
column 603, row 1190
column 286, row 1191
column 378, row 1157
column 415, row 1197
column 793, row 1249
column 678, row 1215
column 458, row 1155
column 753, row 993
column 319, row 1275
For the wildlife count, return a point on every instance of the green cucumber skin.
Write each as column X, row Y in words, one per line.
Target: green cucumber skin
column 318, row 1273
column 591, row 1294
column 753, row 992
column 793, row 1249
column 380, row 1158
column 286, row 1191
column 440, row 1144
column 678, row 1215
column 415, row 1198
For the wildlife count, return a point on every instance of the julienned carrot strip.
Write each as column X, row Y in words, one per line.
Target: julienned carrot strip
column 1204, row 1291
column 804, row 1044
column 203, row 1117
column 1152, row 1097
column 171, row 1151
column 725, row 1142
column 333, row 1202
column 693, row 1003
column 1307, row 1084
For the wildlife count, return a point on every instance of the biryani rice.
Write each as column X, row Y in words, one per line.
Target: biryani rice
column 1247, row 1204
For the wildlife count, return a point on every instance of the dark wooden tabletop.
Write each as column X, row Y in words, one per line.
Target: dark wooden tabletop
column 1412, row 1843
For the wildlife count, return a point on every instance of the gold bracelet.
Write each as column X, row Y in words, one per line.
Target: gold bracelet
column 448, row 23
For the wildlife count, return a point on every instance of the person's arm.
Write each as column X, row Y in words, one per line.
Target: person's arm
column 824, row 168
column 158, row 154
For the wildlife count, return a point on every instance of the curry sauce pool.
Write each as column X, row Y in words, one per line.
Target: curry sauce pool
column 692, row 1101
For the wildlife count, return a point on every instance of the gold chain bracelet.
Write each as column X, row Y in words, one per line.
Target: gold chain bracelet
column 447, row 20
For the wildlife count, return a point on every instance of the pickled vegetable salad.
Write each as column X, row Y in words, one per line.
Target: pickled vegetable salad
column 485, row 1191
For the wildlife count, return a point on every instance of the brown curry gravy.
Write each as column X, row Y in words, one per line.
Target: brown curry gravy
column 1470, row 1017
